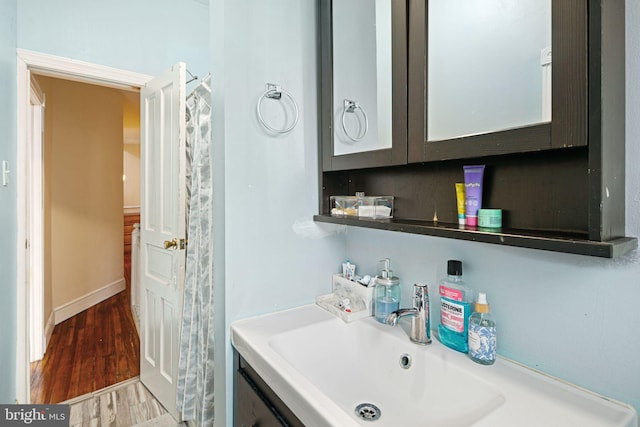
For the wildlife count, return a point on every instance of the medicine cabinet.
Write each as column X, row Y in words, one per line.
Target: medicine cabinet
column 559, row 177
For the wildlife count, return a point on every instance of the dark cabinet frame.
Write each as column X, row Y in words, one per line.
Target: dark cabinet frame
column 561, row 183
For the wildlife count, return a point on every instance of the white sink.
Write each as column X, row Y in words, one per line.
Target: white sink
column 363, row 365
column 323, row 368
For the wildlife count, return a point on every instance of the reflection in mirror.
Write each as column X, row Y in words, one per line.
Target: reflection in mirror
column 489, row 66
column 361, row 75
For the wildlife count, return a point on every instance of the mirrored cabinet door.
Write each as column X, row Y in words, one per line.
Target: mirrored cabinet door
column 488, row 63
column 362, row 80
column 364, row 75
column 482, row 81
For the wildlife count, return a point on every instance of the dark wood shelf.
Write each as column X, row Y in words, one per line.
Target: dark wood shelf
column 558, row 242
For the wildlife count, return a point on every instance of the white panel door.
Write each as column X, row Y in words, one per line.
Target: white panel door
column 162, row 218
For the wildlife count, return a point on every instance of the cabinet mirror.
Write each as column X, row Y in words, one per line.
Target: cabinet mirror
column 364, row 54
column 481, row 81
column 361, row 75
column 489, row 66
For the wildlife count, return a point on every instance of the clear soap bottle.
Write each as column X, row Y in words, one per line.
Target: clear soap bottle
column 482, row 333
column 455, row 308
column 386, row 295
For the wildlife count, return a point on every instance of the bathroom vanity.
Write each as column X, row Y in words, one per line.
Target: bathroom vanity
column 323, row 372
column 557, row 173
column 255, row 403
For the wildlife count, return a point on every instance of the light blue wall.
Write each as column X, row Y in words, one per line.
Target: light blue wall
column 270, row 183
column 8, row 224
column 145, row 36
column 571, row 316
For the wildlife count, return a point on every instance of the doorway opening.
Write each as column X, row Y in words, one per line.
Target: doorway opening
column 30, row 212
column 86, row 282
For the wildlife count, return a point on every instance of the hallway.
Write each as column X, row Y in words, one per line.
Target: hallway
column 92, row 350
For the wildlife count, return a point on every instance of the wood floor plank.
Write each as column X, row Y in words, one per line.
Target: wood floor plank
column 75, row 368
column 129, row 339
column 99, row 378
column 61, row 378
column 110, row 373
column 88, row 358
column 122, row 365
column 47, row 368
column 87, row 370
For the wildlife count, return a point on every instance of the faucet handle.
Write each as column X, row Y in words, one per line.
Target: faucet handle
column 420, row 295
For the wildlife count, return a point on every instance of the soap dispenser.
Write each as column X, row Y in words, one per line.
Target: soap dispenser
column 386, row 294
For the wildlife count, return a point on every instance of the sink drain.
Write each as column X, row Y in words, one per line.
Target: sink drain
column 368, row 411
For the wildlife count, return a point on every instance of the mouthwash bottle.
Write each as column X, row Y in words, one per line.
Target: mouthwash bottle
column 482, row 333
column 455, row 308
column 386, row 294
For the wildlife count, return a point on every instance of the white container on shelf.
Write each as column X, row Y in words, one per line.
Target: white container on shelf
column 376, row 207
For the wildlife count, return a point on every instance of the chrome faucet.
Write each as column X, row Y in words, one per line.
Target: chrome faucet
column 420, row 323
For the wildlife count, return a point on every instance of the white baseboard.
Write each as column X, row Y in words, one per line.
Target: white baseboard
column 78, row 305
column 131, row 210
column 48, row 329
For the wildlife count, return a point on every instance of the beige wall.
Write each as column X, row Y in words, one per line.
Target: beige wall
column 83, row 189
column 131, row 135
column 131, row 114
column 131, row 166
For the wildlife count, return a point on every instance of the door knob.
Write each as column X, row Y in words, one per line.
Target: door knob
column 175, row 243
column 168, row 244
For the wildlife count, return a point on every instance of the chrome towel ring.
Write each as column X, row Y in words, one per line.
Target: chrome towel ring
column 274, row 91
column 351, row 107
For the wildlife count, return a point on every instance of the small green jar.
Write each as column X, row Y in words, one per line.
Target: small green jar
column 490, row 218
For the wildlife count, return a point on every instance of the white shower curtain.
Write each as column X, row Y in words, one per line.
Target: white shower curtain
column 195, row 371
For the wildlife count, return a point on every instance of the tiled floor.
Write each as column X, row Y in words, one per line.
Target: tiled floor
column 126, row 404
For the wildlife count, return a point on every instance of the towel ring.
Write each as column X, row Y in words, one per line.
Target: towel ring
column 351, row 107
column 274, row 91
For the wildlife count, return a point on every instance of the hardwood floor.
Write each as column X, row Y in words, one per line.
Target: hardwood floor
column 92, row 350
